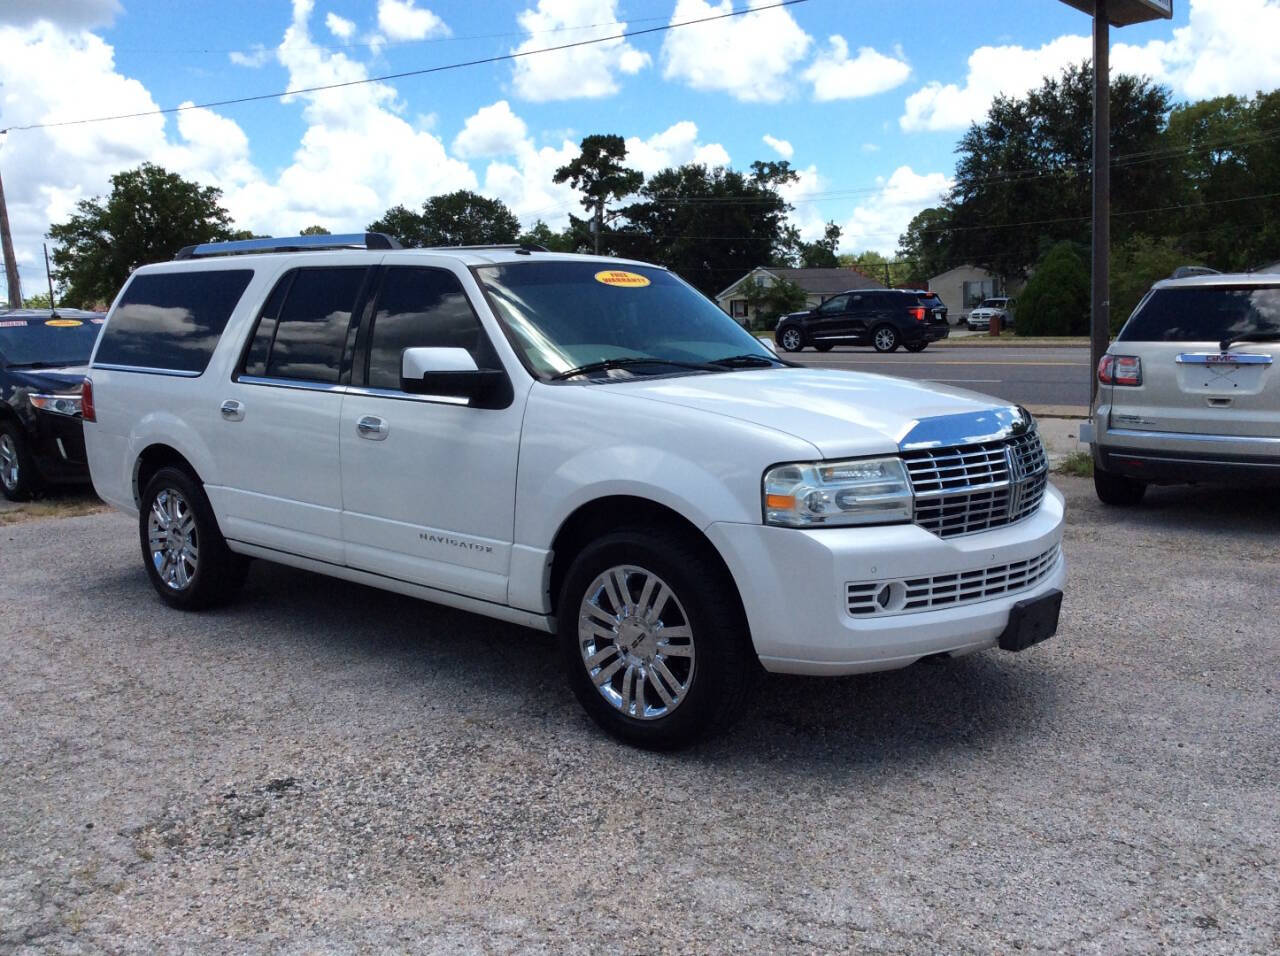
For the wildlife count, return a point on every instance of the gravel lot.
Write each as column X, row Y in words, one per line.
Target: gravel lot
column 327, row 768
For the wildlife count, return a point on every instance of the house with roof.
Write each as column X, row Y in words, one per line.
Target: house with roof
column 818, row 285
column 964, row 287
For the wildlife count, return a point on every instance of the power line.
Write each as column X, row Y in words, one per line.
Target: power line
column 626, row 35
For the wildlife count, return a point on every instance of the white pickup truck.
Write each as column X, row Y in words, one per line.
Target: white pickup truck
column 582, row 445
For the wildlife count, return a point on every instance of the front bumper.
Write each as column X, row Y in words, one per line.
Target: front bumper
column 794, row 587
column 57, row 444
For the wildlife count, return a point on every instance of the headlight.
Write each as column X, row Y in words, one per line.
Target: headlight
column 58, row 404
column 830, row 493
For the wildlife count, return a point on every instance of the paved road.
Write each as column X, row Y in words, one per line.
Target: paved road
column 326, row 768
column 1029, row 376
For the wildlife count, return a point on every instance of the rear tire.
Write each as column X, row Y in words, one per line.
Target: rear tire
column 19, row 480
column 791, row 339
column 645, row 689
column 186, row 557
column 885, row 338
column 917, row 346
column 824, row 346
column 1116, row 489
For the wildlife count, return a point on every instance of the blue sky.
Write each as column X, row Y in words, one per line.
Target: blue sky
column 866, row 99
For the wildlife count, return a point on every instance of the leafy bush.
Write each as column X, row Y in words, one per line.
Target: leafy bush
column 1136, row 263
column 1056, row 299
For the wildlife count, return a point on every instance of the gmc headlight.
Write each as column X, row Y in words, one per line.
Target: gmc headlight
column 58, row 404
column 832, row 493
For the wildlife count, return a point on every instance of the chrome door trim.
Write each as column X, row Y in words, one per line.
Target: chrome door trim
column 399, row 396
column 1189, row 436
column 145, row 370
column 290, row 383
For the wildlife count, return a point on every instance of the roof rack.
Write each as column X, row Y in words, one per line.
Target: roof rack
column 244, row 247
column 513, row 246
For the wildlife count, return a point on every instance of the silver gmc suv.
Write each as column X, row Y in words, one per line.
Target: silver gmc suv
column 1189, row 391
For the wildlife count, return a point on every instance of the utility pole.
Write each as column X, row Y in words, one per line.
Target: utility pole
column 599, row 222
column 1100, row 326
column 10, row 263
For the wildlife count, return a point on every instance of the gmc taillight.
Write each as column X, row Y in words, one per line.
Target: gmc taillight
column 87, row 411
column 1120, row 370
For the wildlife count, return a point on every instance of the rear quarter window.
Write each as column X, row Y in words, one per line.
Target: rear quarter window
column 172, row 321
column 1204, row 314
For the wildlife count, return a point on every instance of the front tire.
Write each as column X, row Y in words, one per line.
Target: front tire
column 186, row 557
column 19, row 480
column 791, row 339
column 1117, row 490
column 653, row 639
column 885, row 338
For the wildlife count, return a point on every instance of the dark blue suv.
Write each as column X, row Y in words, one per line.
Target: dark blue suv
column 43, row 361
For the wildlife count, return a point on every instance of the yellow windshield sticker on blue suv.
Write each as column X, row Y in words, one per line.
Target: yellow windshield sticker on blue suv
column 64, row 323
column 625, row 280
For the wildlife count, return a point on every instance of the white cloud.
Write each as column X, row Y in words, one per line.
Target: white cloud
column 749, row 57
column 871, row 147
column 878, row 222
column 806, row 214
column 674, row 146
column 69, row 14
column 993, row 71
column 1228, row 47
column 340, row 27
column 836, row 77
column 257, row 56
column 491, row 131
column 582, row 72
column 779, row 146
column 404, row 20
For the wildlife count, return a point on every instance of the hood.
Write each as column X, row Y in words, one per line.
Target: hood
column 841, row 413
column 48, row 379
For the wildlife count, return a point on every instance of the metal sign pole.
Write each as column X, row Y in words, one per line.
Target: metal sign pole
column 1100, row 322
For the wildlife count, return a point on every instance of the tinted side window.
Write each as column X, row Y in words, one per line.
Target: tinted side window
column 311, row 333
column 255, row 362
column 172, row 320
column 421, row 308
column 1204, row 314
column 837, row 304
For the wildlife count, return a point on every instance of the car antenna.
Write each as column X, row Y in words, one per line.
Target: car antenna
column 53, row 309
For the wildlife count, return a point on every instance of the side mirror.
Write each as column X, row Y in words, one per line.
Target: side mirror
column 451, row 373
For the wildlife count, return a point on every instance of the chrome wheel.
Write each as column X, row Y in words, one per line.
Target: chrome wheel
column 885, row 339
column 791, row 340
column 172, row 539
column 636, row 642
column 9, row 471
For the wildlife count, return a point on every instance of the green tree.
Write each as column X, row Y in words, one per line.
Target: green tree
column 710, row 226
column 540, row 234
column 598, row 173
column 1136, row 263
column 1023, row 176
column 875, row 265
column 38, row 301
column 924, row 249
column 150, row 214
column 821, row 253
column 768, row 302
column 460, row 218
column 1056, row 299
column 315, row 231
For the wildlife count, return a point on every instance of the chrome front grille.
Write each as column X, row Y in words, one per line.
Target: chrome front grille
column 941, row 590
column 970, row 488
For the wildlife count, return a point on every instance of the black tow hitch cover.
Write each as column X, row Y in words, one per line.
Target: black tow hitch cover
column 1032, row 621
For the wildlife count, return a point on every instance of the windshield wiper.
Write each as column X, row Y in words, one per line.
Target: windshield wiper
column 747, row 360
column 605, row 365
column 1255, row 336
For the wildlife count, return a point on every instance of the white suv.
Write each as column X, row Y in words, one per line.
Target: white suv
column 1190, row 389
column 575, row 444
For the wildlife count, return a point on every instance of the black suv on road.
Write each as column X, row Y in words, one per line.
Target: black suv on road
column 883, row 318
column 43, row 359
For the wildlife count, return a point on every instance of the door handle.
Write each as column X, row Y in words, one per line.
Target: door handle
column 372, row 428
column 232, row 410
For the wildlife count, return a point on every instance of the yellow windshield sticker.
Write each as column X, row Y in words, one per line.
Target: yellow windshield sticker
column 626, row 280
column 64, row 323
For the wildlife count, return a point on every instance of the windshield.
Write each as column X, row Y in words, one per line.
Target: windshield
column 564, row 315
column 48, row 342
column 1204, row 314
column 993, row 303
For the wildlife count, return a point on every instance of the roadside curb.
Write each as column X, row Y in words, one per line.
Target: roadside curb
column 1075, row 412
